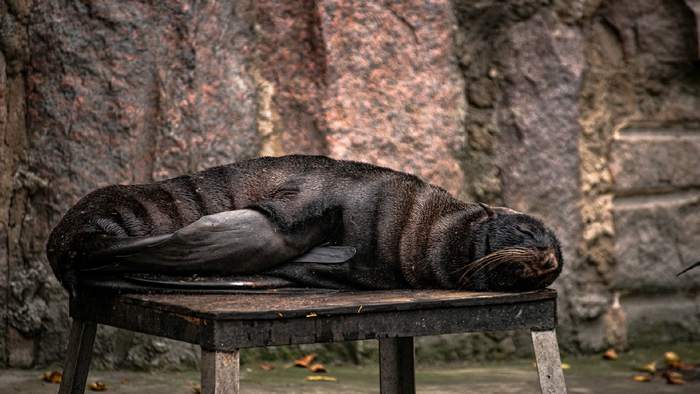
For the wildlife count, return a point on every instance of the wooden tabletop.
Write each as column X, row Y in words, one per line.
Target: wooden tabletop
column 248, row 319
column 297, row 304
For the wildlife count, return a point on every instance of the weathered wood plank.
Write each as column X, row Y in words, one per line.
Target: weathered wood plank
column 313, row 327
column 396, row 366
column 548, row 362
column 269, row 306
column 220, row 372
column 78, row 356
column 227, row 334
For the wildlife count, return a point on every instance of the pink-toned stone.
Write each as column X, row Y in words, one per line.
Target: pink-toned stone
column 290, row 56
column 394, row 93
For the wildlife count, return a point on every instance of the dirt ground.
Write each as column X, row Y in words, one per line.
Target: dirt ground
column 586, row 374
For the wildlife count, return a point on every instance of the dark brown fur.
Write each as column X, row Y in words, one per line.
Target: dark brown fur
column 407, row 233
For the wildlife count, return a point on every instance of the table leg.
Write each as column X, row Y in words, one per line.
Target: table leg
column 77, row 362
column 548, row 362
column 220, row 372
column 396, row 366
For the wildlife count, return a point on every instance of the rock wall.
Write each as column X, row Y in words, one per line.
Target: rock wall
column 640, row 176
column 581, row 112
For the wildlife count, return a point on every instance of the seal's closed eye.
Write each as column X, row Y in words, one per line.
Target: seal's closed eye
column 523, row 230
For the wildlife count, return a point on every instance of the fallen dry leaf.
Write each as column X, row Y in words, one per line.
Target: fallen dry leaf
column 267, row 366
column 610, row 354
column 672, row 360
column 196, row 389
column 650, row 368
column 674, row 377
column 320, row 378
column 317, row 368
column 565, row 366
column 641, row 378
column 305, row 361
column 311, row 314
column 97, row 386
column 670, row 357
column 53, row 377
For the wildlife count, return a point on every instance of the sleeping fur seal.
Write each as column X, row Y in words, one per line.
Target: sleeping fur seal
column 301, row 218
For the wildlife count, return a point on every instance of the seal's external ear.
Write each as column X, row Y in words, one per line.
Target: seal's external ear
column 489, row 212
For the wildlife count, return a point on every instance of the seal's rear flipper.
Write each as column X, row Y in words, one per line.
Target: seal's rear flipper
column 241, row 241
column 689, row 268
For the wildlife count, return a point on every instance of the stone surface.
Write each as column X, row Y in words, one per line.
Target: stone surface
column 587, row 374
column 662, row 318
column 653, row 160
column 290, row 68
column 4, row 183
column 664, row 30
column 655, row 239
column 639, row 109
column 13, row 55
column 394, row 95
column 538, row 153
column 119, row 95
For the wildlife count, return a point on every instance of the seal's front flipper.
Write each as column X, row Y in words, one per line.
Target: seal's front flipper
column 231, row 242
column 327, row 254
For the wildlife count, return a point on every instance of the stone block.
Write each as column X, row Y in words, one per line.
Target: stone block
column 655, row 160
column 656, row 237
column 538, row 144
column 662, row 318
column 663, row 29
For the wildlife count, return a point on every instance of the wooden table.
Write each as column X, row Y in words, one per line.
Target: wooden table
column 224, row 323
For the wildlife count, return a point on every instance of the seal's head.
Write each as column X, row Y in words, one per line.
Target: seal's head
column 512, row 252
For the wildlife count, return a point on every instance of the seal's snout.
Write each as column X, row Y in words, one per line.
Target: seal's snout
column 548, row 262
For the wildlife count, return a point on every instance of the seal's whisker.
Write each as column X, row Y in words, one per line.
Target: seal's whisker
column 496, row 259
column 477, row 266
